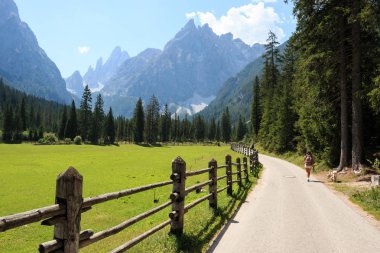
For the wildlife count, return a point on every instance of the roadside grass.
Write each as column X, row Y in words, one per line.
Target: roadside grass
column 367, row 199
column 27, row 181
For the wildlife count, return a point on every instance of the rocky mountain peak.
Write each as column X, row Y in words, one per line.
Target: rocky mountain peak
column 8, row 10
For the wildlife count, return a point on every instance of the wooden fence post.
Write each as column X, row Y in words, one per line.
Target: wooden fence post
column 238, row 171
column 245, row 168
column 251, row 161
column 213, row 187
column 229, row 175
column 69, row 194
column 178, row 196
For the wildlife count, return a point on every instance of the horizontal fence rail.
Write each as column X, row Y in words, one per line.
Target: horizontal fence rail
column 65, row 214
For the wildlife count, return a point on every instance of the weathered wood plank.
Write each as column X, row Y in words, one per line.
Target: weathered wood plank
column 20, row 219
column 197, row 172
column 139, row 238
column 197, row 186
column 115, row 195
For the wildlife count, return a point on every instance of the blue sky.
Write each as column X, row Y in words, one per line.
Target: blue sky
column 75, row 33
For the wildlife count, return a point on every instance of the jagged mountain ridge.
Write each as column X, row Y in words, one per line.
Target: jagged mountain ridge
column 97, row 77
column 24, row 65
column 194, row 64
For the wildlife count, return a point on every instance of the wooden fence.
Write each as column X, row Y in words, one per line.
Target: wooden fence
column 65, row 215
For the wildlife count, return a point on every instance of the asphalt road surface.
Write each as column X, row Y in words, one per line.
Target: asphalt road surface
column 285, row 213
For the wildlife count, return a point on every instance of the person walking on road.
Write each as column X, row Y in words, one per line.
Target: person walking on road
column 309, row 162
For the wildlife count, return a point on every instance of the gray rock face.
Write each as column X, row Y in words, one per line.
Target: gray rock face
column 195, row 63
column 74, row 84
column 24, row 65
column 97, row 77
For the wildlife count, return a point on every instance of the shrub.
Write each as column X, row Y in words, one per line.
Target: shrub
column 375, row 165
column 78, row 140
column 67, row 141
column 48, row 139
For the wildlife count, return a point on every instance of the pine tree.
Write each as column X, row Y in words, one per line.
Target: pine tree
column 23, row 114
column 152, row 120
column 17, row 126
column 72, row 123
column 85, row 114
column 63, row 124
column 165, row 124
column 269, row 83
column 226, row 126
column 7, row 124
column 96, row 127
column 218, row 132
column 199, row 126
column 241, row 129
column 212, row 130
column 255, row 108
column 110, row 128
column 138, row 120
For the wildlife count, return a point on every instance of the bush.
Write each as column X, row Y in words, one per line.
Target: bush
column 375, row 165
column 48, row 139
column 78, row 140
column 67, row 141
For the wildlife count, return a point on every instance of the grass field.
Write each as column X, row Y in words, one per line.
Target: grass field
column 27, row 181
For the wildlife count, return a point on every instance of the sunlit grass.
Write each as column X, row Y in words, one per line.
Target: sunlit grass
column 27, row 181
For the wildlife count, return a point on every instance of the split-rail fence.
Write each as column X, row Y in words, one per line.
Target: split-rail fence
column 65, row 214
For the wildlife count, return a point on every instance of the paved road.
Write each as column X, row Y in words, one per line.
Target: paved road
column 285, row 213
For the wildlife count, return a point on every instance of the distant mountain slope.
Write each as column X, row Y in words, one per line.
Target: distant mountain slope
column 236, row 92
column 193, row 66
column 24, row 65
column 74, row 84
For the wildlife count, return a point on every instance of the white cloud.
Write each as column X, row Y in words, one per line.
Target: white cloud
column 250, row 22
column 83, row 49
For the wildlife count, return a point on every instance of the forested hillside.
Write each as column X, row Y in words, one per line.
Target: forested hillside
column 26, row 112
column 322, row 93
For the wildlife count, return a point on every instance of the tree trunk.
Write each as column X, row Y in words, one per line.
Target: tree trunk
column 357, row 129
column 343, row 96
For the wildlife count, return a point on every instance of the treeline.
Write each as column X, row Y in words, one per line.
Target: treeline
column 323, row 92
column 28, row 118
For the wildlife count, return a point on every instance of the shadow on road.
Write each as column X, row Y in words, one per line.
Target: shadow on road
column 195, row 242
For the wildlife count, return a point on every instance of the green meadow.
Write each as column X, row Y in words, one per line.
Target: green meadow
column 27, row 181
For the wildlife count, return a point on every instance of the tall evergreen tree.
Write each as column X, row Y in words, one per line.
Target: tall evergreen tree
column 23, row 114
column 7, row 124
column 110, row 132
column 165, row 124
column 138, row 120
column 200, row 129
column 226, row 126
column 85, row 114
column 72, row 123
column 255, row 108
column 218, row 133
column 212, row 130
column 63, row 124
column 152, row 120
column 96, row 128
column 241, row 129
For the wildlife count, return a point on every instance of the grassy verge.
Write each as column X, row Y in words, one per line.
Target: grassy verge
column 27, row 181
column 367, row 199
